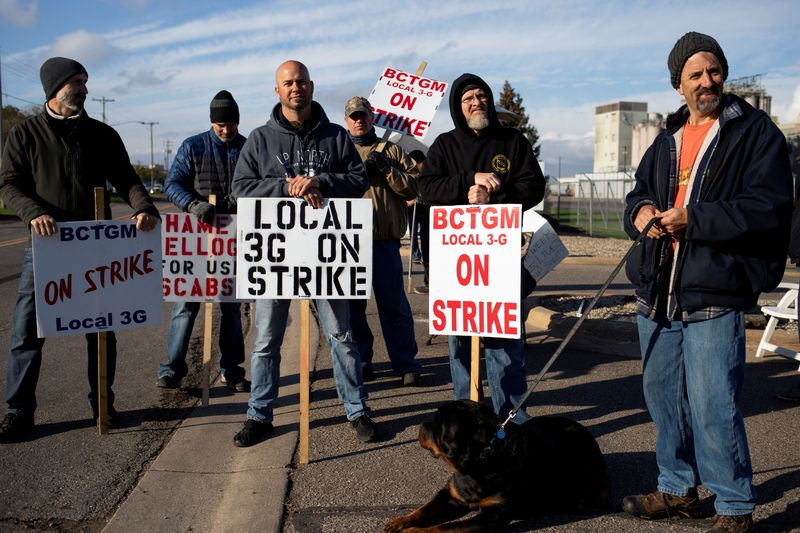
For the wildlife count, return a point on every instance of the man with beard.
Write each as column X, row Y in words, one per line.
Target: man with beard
column 204, row 165
column 481, row 162
column 298, row 153
column 719, row 180
column 392, row 180
column 51, row 164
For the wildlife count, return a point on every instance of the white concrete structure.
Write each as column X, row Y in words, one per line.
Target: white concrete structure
column 613, row 134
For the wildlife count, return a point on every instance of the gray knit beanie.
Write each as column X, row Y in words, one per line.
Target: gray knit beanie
column 686, row 47
column 224, row 108
column 55, row 72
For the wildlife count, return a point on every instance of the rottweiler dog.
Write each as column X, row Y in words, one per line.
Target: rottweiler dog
column 547, row 465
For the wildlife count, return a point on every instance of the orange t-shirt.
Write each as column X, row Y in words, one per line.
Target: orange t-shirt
column 693, row 137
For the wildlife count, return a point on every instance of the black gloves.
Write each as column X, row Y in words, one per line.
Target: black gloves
column 202, row 210
column 376, row 161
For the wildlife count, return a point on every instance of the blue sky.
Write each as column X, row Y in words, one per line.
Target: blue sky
column 164, row 60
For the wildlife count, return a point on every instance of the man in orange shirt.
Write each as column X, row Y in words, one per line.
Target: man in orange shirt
column 719, row 180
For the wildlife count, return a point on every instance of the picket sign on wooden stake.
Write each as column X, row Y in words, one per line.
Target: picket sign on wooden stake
column 207, row 324
column 475, row 368
column 305, row 380
column 102, row 355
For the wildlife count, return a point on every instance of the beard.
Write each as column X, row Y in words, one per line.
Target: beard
column 72, row 101
column 709, row 105
column 478, row 120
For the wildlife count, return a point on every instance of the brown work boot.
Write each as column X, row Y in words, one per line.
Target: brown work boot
column 662, row 505
column 732, row 524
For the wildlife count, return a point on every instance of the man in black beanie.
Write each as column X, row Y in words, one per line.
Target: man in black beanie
column 203, row 166
column 51, row 164
column 719, row 185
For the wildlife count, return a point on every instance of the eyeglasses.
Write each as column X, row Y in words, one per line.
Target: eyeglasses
column 481, row 97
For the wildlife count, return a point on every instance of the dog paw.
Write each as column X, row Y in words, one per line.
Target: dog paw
column 397, row 525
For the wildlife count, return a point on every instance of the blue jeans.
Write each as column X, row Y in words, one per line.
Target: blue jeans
column 692, row 378
column 231, row 341
column 265, row 361
column 25, row 352
column 505, row 372
column 397, row 323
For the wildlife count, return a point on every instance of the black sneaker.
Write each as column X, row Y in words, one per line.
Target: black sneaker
column 16, row 427
column 253, row 432
column 237, row 385
column 168, row 382
column 366, row 430
column 422, row 289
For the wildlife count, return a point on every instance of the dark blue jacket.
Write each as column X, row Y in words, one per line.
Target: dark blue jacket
column 734, row 246
column 204, row 165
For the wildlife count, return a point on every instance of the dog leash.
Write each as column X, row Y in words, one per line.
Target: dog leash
column 501, row 429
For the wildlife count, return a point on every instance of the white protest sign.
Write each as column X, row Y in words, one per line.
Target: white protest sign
column 475, row 270
column 199, row 259
column 405, row 102
column 97, row 276
column 287, row 249
column 546, row 249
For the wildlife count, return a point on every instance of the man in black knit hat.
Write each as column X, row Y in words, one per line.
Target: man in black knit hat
column 51, row 164
column 719, row 182
column 204, row 165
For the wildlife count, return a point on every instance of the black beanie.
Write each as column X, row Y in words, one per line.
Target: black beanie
column 224, row 108
column 686, row 47
column 55, row 72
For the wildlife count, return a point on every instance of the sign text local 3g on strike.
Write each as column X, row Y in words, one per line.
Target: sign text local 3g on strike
column 287, row 249
column 405, row 102
column 96, row 276
column 475, row 270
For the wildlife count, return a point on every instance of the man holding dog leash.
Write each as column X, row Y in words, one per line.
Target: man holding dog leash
column 719, row 180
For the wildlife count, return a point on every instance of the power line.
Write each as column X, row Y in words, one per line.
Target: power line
column 103, row 100
column 20, row 99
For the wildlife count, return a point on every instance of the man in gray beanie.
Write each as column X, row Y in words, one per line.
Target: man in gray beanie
column 204, row 166
column 51, row 164
column 718, row 188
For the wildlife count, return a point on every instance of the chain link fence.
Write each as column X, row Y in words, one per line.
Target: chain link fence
column 594, row 203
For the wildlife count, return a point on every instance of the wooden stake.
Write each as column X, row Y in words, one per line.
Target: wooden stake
column 305, row 380
column 475, row 368
column 102, row 341
column 413, row 239
column 207, row 324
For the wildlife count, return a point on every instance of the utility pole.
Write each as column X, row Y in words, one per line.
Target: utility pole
column 152, row 163
column 167, row 151
column 103, row 101
column 1, row 107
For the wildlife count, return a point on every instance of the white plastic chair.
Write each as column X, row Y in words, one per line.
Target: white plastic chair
column 785, row 310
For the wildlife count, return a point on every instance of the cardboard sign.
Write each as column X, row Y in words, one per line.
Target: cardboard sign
column 287, row 249
column 546, row 250
column 97, row 276
column 475, row 270
column 405, row 102
column 199, row 260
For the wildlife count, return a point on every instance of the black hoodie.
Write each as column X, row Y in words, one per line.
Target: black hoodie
column 455, row 157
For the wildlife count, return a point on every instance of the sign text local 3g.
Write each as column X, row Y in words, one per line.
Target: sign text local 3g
column 406, row 102
column 97, row 276
column 475, row 270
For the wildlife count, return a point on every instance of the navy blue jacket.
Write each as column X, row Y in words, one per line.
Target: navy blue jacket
column 204, row 165
column 734, row 246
